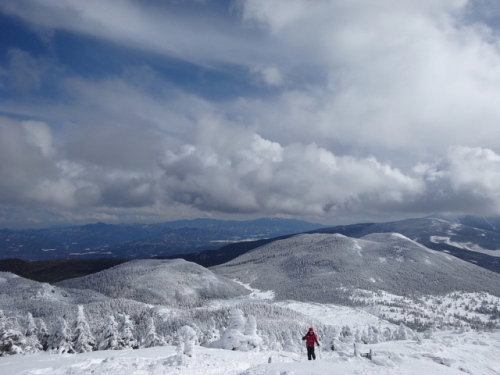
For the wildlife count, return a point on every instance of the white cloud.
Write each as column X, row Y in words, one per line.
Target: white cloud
column 356, row 89
column 240, row 171
column 402, row 75
column 269, row 75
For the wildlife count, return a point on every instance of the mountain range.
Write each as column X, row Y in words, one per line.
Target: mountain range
column 474, row 245
column 395, row 283
column 140, row 240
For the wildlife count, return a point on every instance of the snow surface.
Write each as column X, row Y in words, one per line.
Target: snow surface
column 445, row 353
column 464, row 245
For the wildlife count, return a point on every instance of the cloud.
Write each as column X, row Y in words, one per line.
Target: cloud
column 230, row 169
column 34, row 172
column 398, row 72
column 165, row 28
column 269, row 75
column 466, row 179
column 340, row 108
column 242, row 172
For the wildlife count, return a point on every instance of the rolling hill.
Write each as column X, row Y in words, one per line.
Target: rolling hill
column 169, row 282
column 322, row 267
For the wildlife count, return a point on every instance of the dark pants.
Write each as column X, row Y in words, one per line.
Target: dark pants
column 310, row 353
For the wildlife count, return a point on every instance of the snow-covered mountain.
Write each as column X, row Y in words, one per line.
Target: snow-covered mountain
column 472, row 244
column 161, row 282
column 161, row 297
column 318, row 267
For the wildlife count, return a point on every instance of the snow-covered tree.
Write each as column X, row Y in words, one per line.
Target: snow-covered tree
column 11, row 342
column 375, row 335
column 254, row 341
column 31, row 328
column 289, row 345
column 237, row 320
column 187, row 338
column 331, row 338
column 358, row 336
column 43, row 334
column 152, row 338
column 211, row 334
column 126, row 332
column 61, row 339
column 32, row 343
column 110, row 338
column 234, row 337
column 83, row 340
column 388, row 334
column 403, row 332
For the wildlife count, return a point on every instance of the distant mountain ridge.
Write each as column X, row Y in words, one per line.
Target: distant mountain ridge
column 140, row 240
column 474, row 245
column 325, row 268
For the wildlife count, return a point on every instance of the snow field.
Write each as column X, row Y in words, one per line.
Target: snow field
column 446, row 353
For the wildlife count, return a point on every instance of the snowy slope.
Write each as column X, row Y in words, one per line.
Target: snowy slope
column 316, row 267
column 445, row 353
column 432, row 232
column 168, row 282
column 19, row 293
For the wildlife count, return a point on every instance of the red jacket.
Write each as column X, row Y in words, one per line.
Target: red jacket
column 311, row 338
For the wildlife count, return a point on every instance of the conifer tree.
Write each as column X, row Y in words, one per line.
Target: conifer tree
column 11, row 342
column 152, row 339
column 32, row 343
column 83, row 340
column 61, row 339
column 126, row 332
column 43, row 334
column 110, row 339
column 31, row 328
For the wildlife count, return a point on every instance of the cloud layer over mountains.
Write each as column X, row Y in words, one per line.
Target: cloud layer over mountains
column 324, row 110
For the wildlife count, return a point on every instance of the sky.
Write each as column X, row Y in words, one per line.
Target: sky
column 331, row 111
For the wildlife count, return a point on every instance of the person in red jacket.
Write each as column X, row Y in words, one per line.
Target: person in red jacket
column 311, row 339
